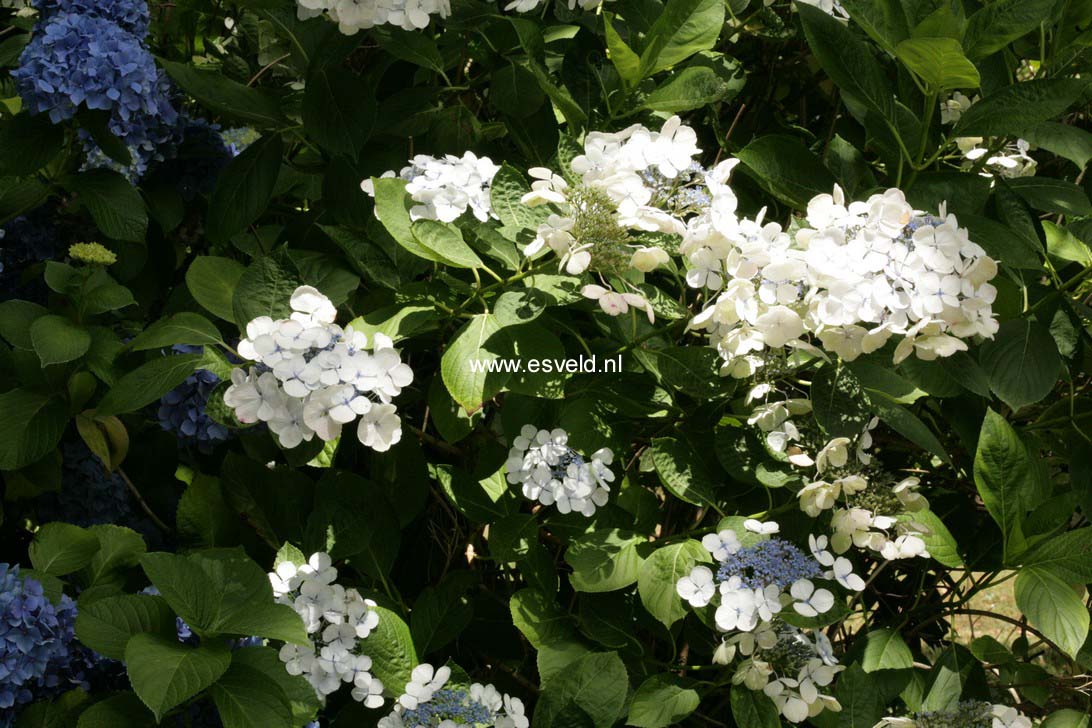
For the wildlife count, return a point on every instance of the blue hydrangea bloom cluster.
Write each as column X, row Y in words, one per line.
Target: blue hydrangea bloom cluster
column 198, row 156
column 182, row 410
column 36, row 650
column 131, row 15
column 25, row 241
column 449, row 705
column 90, row 496
column 774, row 561
column 91, row 54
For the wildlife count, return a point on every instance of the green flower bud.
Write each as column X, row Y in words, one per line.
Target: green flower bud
column 92, row 254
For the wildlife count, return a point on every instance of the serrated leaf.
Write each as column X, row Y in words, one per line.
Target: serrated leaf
column 164, row 672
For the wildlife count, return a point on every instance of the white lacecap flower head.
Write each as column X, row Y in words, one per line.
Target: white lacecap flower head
column 549, row 471
column 310, row 377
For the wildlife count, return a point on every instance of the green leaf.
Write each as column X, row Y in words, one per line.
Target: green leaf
column 604, row 561
column 787, row 169
column 412, row 46
column 123, row 709
column 1021, row 362
column 561, row 98
column 114, row 204
column 338, row 110
column 164, row 673
column 244, row 188
column 19, row 195
column 840, row 403
column 1070, row 142
column 939, row 540
column 57, row 339
column 203, row 517
column 848, row 61
column 659, row 574
column 181, row 328
column 883, row 20
column 29, row 142
column 31, row 427
column 120, row 549
column 625, row 61
column 446, row 243
column 1052, row 195
column 1013, row 109
column 264, row 289
column 224, row 96
column 275, row 502
column 999, row 23
column 663, row 700
column 1002, row 243
column 442, row 612
column 906, row 423
column 862, row 703
column 390, row 208
column 247, row 697
column 708, row 79
column 1066, row 719
column 16, row 318
column 753, row 709
column 96, row 122
column 683, row 28
column 301, row 697
column 1065, row 245
column 390, row 645
column 481, row 500
column 106, row 625
column 147, row 383
column 681, row 471
column 1003, row 473
column 885, row 650
column 507, row 189
column 211, row 281
column 939, row 63
column 595, row 685
column 1053, row 607
column 222, row 593
column 1068, row 556
column 61, row 548
column 467, row 353
column 514, row 91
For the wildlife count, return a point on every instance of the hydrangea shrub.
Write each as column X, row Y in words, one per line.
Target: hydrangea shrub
column 414, row 363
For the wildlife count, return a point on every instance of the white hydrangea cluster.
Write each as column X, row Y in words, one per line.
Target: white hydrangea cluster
column 550, row 471
column 444, row 188
column 311, row 377
column 339, row 620
column 629, row 167
column 865, row 513
column 430, row 700
column 852, row 275
column 758, row 577
column 353, row 16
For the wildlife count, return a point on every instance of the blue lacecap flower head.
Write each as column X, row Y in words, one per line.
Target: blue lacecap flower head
column 772, row 561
